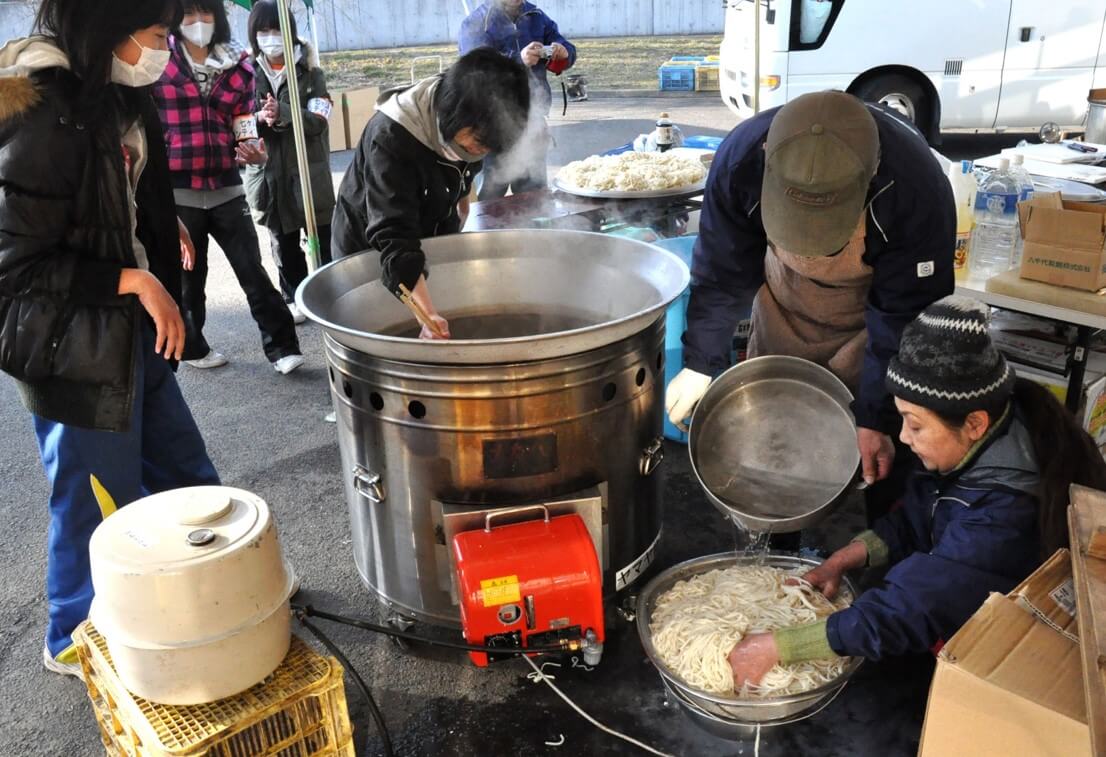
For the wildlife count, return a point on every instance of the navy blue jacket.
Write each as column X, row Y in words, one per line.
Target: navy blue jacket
column 911, row 234
column 490, row 26
column 956, row 539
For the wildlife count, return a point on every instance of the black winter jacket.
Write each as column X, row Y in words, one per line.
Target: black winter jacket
column 66, row 336
column 273, row 189
column 397, row 192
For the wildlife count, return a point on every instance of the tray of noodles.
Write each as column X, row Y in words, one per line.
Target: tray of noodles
column 634, row 175
column 691, row 615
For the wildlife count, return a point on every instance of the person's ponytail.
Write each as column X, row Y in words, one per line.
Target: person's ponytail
column 1065, row 454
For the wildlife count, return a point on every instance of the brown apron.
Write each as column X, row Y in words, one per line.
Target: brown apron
column 813, row 308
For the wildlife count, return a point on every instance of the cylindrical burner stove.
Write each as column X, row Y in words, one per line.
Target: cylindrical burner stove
column 550, row 392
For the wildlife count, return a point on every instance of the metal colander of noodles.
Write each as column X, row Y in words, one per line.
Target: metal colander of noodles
column 730, row 715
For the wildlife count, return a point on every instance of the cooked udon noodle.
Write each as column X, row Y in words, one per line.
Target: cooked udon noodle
column 633, row 171
column 696, row 623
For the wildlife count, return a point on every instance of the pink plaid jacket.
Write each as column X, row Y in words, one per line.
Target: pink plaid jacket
column 199, row 131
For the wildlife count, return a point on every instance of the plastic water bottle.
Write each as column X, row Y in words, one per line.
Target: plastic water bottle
column 964, row 190
column 1025, row 182
column 996, row 223
column 1025, row 191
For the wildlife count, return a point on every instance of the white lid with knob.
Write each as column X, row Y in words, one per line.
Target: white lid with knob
column 185, row 566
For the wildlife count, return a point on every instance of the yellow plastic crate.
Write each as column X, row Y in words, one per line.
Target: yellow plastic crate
column 706, row 77
column 298, row 711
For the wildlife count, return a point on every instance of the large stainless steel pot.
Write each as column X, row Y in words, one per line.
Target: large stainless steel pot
column 551, row 392
column 773, row 443
column 730, row 715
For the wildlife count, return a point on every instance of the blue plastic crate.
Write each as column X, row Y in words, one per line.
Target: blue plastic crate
column 676, row 78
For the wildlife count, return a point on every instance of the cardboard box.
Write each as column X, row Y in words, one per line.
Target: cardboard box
column 1065, row 242
column 1010, row 682
column 1092, row 405
column 359, row 106
column 339, row 135
column 1087, row 530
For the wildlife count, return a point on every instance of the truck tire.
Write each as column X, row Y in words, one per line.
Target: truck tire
column 901, row 94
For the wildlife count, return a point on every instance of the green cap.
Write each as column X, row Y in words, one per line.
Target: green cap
column 821, row 153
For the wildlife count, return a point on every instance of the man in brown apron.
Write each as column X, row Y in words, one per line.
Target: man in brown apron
column 833, row 218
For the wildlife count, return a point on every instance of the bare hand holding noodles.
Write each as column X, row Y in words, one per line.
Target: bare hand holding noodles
column 698, row 621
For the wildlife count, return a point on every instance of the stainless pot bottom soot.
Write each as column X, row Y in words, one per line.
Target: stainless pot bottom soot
column 730, row 716
column 773, row 444
column 550, row 392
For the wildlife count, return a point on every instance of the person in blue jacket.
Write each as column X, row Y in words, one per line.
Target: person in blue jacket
column 998, row 455
column 834, row 222
column 522, row 32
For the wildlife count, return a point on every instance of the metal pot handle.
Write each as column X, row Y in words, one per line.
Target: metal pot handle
column 651, row 456
column 512, row 510
column 368, row 484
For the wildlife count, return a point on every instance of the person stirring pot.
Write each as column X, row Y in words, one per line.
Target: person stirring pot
column 414, row 166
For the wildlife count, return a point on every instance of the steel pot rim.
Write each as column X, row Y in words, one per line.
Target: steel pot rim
column 785, row 524
column 697, row 565
column 515, row 349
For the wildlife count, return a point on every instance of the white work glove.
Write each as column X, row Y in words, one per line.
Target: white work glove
column 683, row 394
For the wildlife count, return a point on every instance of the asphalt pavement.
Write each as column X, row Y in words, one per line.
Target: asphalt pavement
column 265, row 433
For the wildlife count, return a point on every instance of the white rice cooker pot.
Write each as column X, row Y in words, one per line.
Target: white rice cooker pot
column 191, row 593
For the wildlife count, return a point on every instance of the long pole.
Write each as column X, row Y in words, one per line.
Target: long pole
column 756, row 57
column 297, row 131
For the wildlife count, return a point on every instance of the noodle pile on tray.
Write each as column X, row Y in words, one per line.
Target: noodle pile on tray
column 696, row 623
column 633, row 171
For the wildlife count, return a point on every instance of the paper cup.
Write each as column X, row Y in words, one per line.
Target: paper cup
column 245, row 128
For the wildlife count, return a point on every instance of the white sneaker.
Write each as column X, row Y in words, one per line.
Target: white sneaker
column 59, row 667
column 297, row 316
column 212, row 359
column 288, row 363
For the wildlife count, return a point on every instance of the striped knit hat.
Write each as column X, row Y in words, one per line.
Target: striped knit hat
column 946, row 360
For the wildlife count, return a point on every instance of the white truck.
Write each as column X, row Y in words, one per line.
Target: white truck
column 946, row 64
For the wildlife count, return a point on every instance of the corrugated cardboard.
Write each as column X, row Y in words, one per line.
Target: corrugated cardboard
column 360, row 104
column 1009, row 683
column 339, row 134
column 1065, row 242
column 1086, row 516
column 1049, row 594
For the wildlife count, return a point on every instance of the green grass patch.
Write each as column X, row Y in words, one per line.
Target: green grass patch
column 608, row 62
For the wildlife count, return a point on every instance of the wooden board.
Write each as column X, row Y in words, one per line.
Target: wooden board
column 1086, row 514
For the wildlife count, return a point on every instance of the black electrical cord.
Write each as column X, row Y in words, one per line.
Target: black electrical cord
column 307, row 611
column 377, row 715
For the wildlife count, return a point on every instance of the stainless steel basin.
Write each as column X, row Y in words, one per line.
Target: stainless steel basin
column 510, row 296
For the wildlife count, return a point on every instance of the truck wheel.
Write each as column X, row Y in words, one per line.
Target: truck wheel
column 901, row 94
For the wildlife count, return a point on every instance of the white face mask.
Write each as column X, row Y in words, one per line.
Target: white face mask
column 271, row 44
column 199, row 33
column 149, row 68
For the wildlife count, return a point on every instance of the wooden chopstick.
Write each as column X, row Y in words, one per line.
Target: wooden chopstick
column 420, row 315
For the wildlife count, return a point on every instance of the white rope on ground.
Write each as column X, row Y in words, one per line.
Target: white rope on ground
column 542, row 677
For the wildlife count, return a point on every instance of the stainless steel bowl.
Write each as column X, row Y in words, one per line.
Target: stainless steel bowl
column 773, row 443
column 512, row 296
column 729, row 715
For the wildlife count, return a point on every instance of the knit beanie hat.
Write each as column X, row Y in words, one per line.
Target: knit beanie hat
column 946, row 361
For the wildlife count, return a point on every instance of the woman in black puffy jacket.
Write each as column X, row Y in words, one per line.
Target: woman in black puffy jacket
column 90, row 256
